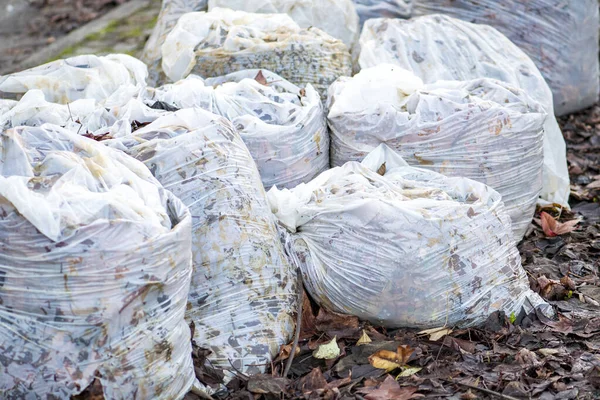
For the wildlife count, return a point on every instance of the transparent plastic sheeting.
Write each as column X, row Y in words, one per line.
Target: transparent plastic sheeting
column 170, row 12
column 412, row 248
column 336, row 17
column 438, row 47
column 95, row 261
column 482, row 129
column 368, row 9
column 560, row 36
column 243, row 290
column 110, row 80
column 223, row 41
column 282, row 125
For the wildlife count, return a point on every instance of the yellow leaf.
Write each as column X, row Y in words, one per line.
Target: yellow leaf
column 364, row 339
column 327, row 351
column 436, row 334
column 388, row 360
column 548, row 352
column 408, row 371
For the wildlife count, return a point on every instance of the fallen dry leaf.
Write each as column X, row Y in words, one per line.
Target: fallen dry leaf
column 267, row 384
column 340, row 325
column 436, row 334
column 327, row 351
column 408, row 371
column 381, row 170
column 387, row 390
column 364, row 339
column 313, row 381
column 285, row 350
column 548, row 352
column 554, row 228
column 389, row 360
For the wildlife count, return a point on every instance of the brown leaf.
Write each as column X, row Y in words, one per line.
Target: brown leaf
column 285, row 350
column 340, row 325
column 389, row 360
column 568, row 283
column 468, row 395
column 267, row 384
column 308, row 327
column 381, row 170
column 527, row 357
column 389, row 389
column 312, row 381
column 260, row 78
column 554, row 228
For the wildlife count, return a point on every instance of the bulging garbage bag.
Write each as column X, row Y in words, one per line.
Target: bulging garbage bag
column 243, row 290
column 368, row 9
column 95, row 262
column 336, row 17
column 170, row 12
column 282, row 125
column 482, row 129
column 222, row 41
column 438, row 47
column 110, row 80
column 561, row 37
column 411, row 248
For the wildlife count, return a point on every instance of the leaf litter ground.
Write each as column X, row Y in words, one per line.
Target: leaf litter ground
column 510, row 356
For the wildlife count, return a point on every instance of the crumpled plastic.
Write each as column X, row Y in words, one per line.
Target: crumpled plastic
column 170, row 12
column 438, row 47
column 244, row 291
column 336, row 17
column 483, row 129
column 282, row 125
column 368, row 9
column 411, row 248
column 95, row 262
column 110, row 80
column 561, row 37
column 223, row 41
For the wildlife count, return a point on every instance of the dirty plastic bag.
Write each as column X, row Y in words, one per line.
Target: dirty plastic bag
column 110, row 80
column 368, row 9
column 336, row 17
column 560, row 36
column 412, row 248
column 438, row 47
column 223, row 41
column 170, row 12
column 483, row 129
column 243, row 290
column 95, row 262
column 33, row 110
column 282, row 125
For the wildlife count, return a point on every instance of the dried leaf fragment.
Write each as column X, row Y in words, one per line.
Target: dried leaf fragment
column 260, row 78
column 389, row 360
column 364, row 339
column 381, row 170
column 388, row 389
column 327, row 351
column 408, row 371
column 554, row 228
column 436, row 334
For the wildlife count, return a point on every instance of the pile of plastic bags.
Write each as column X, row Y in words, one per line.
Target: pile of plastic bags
column 282, row 125
column 96, row 268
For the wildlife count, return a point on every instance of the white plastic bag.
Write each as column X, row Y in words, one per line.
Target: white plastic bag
column 438, row 47
column 485, row 130
column 383, row 9
column 223, row 41
column 95, row 263
column 243, row 290
column 170, row 12
column 410, row 248
column 336, row 17
column 560, row 36
column 110, row 80
column 282, row 125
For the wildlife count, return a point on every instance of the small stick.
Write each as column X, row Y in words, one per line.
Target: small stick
column 288, row 365
column 487, row 391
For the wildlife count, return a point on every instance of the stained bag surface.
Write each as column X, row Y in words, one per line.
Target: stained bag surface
column 482, row 129
column 110, row 80
column 243, row 290
column 336, row 17
column 223, row 41
column 438, row 47
column 383, row 9
column 282, row 125
column 95, row 259
column 560, row 36
column 410, row 248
